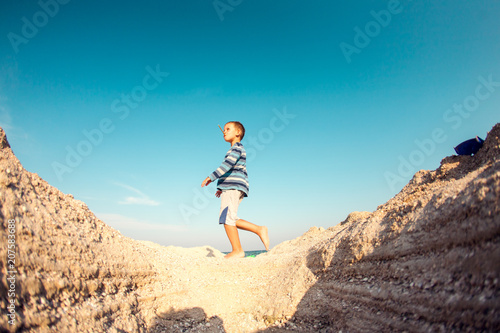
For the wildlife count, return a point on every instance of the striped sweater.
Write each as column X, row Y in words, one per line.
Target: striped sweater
column 232, row 173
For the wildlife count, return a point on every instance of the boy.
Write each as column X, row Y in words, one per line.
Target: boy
column 232, row 187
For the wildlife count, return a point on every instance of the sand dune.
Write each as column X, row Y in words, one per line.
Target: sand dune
column 427, row 260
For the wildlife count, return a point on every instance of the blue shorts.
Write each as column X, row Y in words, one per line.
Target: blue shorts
column 229, row 202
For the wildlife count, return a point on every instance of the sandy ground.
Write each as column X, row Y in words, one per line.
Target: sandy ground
column 428, row 260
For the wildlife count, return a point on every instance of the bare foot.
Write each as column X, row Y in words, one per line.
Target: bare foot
column 235, row 254
column 264, row 237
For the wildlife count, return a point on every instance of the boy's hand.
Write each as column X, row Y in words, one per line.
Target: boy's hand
column 218, row 193
column 206, row 182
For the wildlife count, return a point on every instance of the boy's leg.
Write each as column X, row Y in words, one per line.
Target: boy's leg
column 228, row 217
column 234, row 239
column 261, row 231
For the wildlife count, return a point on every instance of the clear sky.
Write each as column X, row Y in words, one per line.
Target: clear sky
column 118, row 102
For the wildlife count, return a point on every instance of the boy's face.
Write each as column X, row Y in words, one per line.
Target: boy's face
column 230, row 132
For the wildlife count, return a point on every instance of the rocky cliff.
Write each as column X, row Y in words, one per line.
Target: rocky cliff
column 427, row 260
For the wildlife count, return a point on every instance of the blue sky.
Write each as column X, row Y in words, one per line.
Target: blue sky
column 118, row 104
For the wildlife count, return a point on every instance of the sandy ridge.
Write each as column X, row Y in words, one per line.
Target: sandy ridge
column 427, row 260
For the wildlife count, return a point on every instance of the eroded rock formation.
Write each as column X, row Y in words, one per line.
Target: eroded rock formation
column 427, row 260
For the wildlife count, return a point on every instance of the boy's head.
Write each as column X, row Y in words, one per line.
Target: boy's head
column 238, row 127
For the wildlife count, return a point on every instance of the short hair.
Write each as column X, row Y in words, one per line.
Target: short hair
column 239, row 126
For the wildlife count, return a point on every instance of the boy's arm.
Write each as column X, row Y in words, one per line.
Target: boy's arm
column 206, row 182
column 230, row 161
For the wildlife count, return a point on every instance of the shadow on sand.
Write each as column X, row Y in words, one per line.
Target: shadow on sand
column 190, row 320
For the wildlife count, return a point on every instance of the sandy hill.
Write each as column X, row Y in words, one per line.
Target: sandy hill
column 428, row 260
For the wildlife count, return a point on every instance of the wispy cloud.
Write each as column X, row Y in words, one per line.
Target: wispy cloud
column 140, row 199
column 205, row 92
column 122, row 223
